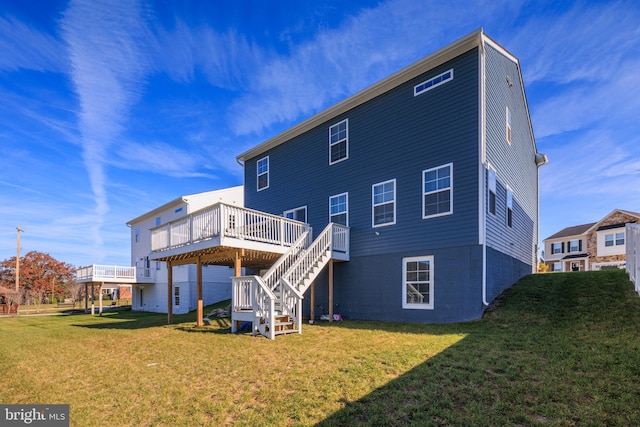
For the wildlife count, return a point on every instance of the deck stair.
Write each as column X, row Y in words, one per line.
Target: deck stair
column 273, row 302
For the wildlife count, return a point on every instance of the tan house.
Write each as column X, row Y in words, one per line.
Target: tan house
column 593, row 246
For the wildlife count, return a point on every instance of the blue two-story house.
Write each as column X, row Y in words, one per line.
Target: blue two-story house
column 414, row 200
column 434, row 170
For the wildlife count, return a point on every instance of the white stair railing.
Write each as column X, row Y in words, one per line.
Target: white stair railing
column 287, row 280
column 272, row 277
column 317, row 251
column 251, row 294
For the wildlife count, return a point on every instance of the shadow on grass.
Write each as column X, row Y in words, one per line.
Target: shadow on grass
column 128, row 319
column 554, row 353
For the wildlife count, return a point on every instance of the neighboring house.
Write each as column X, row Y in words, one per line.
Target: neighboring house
column 150, row 291
column 149, row 284
column 593, row 246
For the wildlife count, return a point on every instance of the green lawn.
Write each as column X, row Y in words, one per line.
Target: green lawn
column 558, row 349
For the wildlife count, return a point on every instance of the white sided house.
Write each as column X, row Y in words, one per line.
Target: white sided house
column 150, row 292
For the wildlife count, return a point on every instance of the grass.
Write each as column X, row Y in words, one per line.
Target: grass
column 556, row 350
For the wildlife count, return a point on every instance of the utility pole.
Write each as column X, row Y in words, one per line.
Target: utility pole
column 20, row 230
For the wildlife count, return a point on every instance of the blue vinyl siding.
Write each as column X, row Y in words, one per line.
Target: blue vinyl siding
column 514, row 163
column 394, row 136
column 375, row 282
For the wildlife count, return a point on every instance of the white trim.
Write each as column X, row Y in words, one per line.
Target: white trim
column 430, row 304
column 268, row 173
column 424, row 193
column 482, row 150
column 296, row 209
column 489, row 190
column 373, row 203
column 509, row 207
column 345, row 140
column 508, row 130
column 346, row 194
column 433, row 86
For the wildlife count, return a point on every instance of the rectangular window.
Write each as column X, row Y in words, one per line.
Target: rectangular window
column 508, row 121
column 384, row 203
column 492, row 191
column 298, row 214
column 339, row 142
column 437, row 191
column 157, row 221
column 176, row 296
column 608, row 240
column 339, row 209
column 262, row 170
column 556, row 248
column 575, row 246
column 557, row 266
column 137, row 233
column 509, row 207
column 619, row 239
column 433, row 83
column 417, row 282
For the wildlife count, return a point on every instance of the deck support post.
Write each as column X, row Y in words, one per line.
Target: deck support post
column 86, row 297
column 237, row 263
column 200, row 321
column 312, row 301
column 100, row 299
column 93, row 302
column 169, row 293
column 237, row 271
column 330, row 290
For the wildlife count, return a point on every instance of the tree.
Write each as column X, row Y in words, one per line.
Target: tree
column 41, row 276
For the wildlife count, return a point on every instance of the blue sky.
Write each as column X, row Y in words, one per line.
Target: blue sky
column 111, row 108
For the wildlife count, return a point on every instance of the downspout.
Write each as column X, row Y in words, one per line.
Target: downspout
column 482, row 166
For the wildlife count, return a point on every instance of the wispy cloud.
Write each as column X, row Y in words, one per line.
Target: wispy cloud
column 227, row 59
column 584, row 43
column 159, row 157
column 339, row 62
column 105, row 41
column 23, row 46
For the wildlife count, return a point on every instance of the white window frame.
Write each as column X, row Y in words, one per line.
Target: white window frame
column 612, row 240
column 176, row 296
column 419, row 306
column 265, row 172
column 291, row 213
column 346, row 211
column 438, row 190
column 384, row 202
column 617, row 238
column 332, row 143
column 508, row 134
column 571, row 242
column 433, row 82
column 557, row 266
column 137, row 233
column 492, row 191
column 553, row 246
column 509, row 212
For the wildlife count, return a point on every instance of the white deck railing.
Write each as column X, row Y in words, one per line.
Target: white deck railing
column 220, row 221
column 287, row 280
column 106, row 273
column 633, row 254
